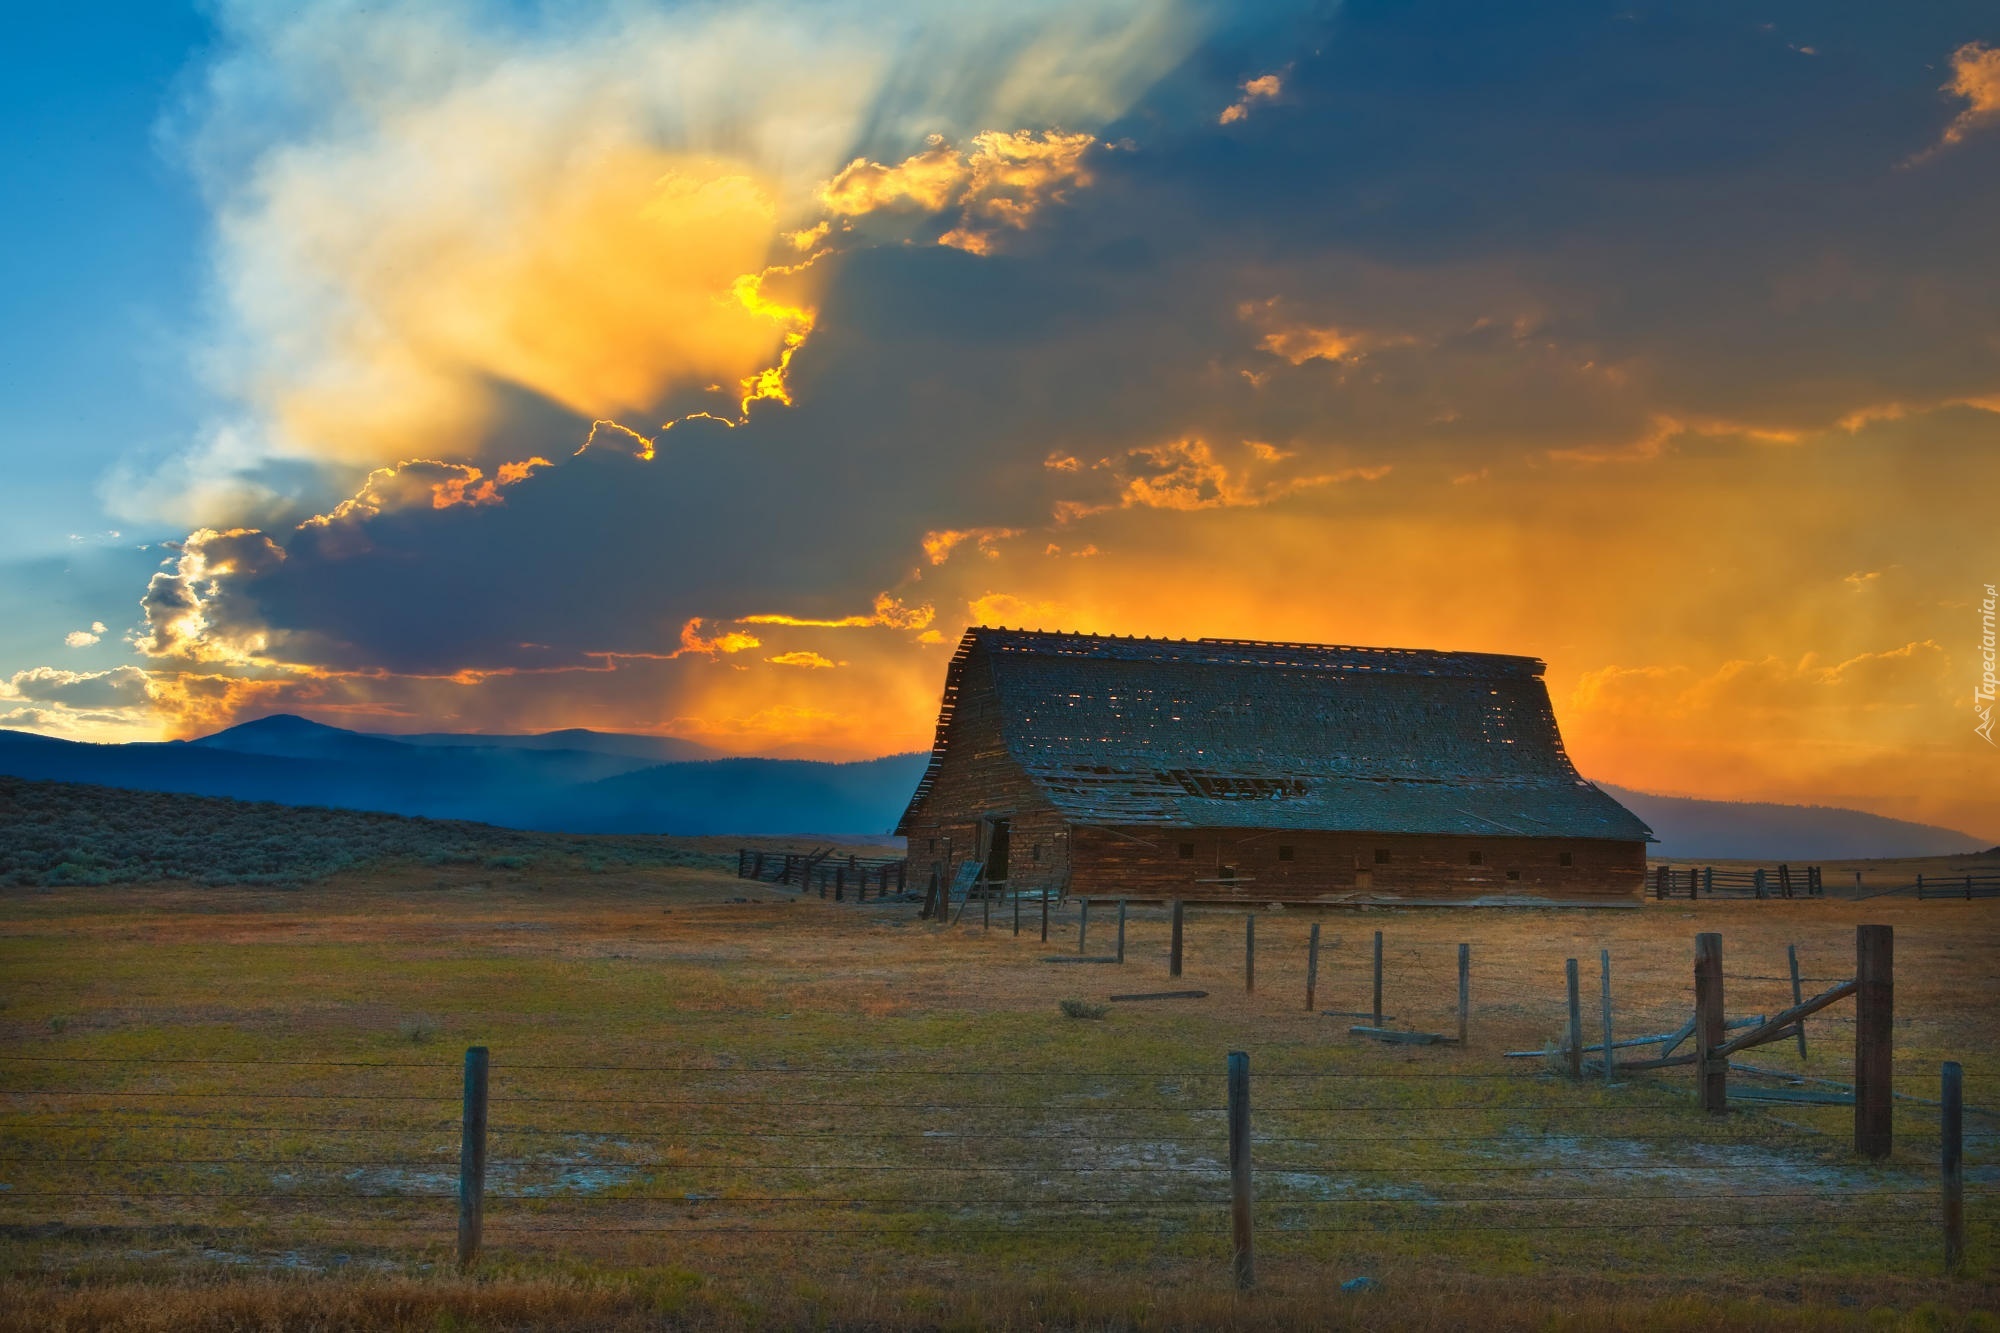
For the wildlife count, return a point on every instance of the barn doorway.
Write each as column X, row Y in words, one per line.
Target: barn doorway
column 997, row 846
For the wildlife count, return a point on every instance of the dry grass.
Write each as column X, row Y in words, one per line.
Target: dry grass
column 660, row 969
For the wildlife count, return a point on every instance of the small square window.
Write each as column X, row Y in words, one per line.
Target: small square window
column 1381, row 856
column 1284, row 852
column 1187, row 851
column 1566, row 858
column 1513, row 874
column 1477, row 859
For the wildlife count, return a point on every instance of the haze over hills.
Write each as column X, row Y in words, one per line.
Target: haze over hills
column 580, row 781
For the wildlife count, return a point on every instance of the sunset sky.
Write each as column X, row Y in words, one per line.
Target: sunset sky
column 706, row 369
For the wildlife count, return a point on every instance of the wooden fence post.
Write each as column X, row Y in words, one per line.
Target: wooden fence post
column 1174, row 949
column 1798, row 993
column 1312, row 967
column 1760, row 883
column 1708, row 1023
column 1604, row 963
column 1874, row 1040
column 472, row 1158
column 742, row 860
column 1121, row 930
column 902, row 869
column 1017, row 913
column 1250, row 953
column 1082, row 925
column 840, row 884
column 1573, row 1042
column 1045, row 914
column 1464, row 990
column 1378, row 978
column 1951, row 1160
column 1239, row 1168
column 986, row 911
column 1708, row 880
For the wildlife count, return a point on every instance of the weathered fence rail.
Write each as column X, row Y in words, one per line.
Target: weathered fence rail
column 1777, row 881
column 826, row 871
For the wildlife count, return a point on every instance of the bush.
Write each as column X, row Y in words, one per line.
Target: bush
column 1084, row 1009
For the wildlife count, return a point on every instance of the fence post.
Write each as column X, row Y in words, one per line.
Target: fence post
column 742, row 859
column 1464, row 990
column 1573, row 1041
column 1378, row 978
column 1017, row 913
column 1239, row 1167
column 1951, row 1130
column 1874, row 1040
column 1708, row 880
column 1121, row 930
column 986, row 911
column 1250, row 953
column 1708, row 1022
column 1604, row 962
column 1312, row 967
column 1174, row 949
column 1045, row 914
column 1798, row 993
column 1760, row 883
column 1082, row 925
column 472, row 1158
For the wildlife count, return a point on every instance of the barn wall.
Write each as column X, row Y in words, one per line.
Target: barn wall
column 978, row 777
column 1144, row 861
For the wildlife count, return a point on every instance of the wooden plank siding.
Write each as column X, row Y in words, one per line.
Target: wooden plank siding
column 1145, row 861
column 978, row 781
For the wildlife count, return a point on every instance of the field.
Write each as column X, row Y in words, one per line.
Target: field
column 717, row 1105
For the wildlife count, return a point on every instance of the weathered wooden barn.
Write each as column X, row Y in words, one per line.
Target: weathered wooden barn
column 1260, row 772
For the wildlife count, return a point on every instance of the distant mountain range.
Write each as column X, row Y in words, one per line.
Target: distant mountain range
column 580, row 781
column 564, row 781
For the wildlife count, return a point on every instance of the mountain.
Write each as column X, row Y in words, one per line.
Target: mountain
column 605, row 784
column 580, row 781
column 1690, row 828
column 651, row 749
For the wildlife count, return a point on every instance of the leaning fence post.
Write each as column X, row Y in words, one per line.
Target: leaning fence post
column 1250, row 953
column 1604, row 963
column 1574, row 1040
column 1312, row 966
column 1121, row 930
column 1239, row 1167
column 1951, row 1130
column 1708, row 1023
column 1174, row 949
column 472, row 1158
column 1378, row 978
column 1874, row 1040
column 1798, row 993
column 1464, row 990
column 1082, row 925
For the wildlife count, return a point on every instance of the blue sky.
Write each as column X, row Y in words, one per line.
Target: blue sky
column 103, row 238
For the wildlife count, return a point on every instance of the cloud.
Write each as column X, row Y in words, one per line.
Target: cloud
column 697, row 638
column 938, row 545
column 801, row 658
column 1262, row 88
column 1975, row 77
column 84, row 638
column 123, row 686
column 890, row 612
column 1002, row 182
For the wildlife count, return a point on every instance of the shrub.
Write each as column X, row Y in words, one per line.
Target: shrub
column 1084, row 1009
column 417, row 1029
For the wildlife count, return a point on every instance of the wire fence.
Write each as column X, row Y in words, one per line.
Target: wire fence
column 1098, row 1165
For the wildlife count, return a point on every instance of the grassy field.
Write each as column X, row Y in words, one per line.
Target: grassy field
column 717, row 1105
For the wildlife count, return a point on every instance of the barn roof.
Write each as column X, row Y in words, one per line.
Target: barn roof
column 1229, row 733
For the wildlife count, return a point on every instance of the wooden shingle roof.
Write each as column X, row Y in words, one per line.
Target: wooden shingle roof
column 1225, row 733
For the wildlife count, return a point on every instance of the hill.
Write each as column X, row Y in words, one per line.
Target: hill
column 1763, row 831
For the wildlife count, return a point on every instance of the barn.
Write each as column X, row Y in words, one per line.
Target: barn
column 1260, row 772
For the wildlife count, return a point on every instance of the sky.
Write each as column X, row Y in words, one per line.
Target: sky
column 706, row 370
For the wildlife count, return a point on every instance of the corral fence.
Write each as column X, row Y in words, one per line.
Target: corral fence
column 1780, row 881
column 1968, row 886
column 833, row 874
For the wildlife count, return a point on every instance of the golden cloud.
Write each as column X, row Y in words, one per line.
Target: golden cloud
column 890, row 612
column 1975, row 77
column 1187, row 474
column 1001, row 182
column 1262, row 88
column 696, row 638
column 802, row 659
column 939, row 545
